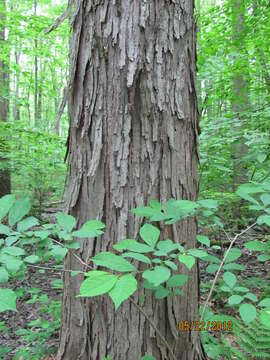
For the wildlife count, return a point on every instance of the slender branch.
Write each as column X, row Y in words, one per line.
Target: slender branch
column 154, row 327
column 76, row 256
column 60, row 19
column 61, row 107
column 51, row 268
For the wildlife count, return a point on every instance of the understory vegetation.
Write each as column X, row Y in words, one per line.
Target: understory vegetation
column 233, row 206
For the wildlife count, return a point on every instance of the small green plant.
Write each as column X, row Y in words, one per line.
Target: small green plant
column 25, row 243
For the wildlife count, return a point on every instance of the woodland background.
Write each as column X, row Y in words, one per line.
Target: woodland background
column 233, row 83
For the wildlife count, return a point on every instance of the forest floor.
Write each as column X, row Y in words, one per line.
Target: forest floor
column 29, row 311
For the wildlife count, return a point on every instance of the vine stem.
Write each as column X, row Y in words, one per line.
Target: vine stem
column 154, row 327
column 215, row 280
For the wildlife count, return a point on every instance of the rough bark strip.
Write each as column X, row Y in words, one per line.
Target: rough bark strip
column 133, row 137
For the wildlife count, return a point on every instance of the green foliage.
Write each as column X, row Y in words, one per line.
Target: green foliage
column 39, row 331
column 35, row 162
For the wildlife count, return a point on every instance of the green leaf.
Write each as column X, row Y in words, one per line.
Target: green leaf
column 212, row 269
column 233, row 266
column 148, row 357
column 144, row 211
column 161, row 293
column 203, row 240
column 185, row 206
column 12, row 264
column 10, row 240
column 3, row 275
column 160, row 253
column 73, row 245
column 157, row 276
column 32, row 259
column 187, row 260
column 13, row 250
column 247, row 312
column 234, row 254
column 230, row 279
column 91, row 228
column 20, row 208
column 263, row 219
column 97, row 283
column 255, row 245
column 133, row 245
column 263, row 257
column 66, row 222
column 149, row 234
column 265, row 318
column 245, row 190
column 170, row 264
column 147, row 285
column 197, row 253
column 125, row 286
column 6, row 202
column 27, row 224
column 241, row 289
column 177, row 280
column 251, row 296
column 43, row 234
column 261, row 157
column 235, row 299
column 211, row 259
column 156, row 205
column 57, row 284
column 156, row 261
column 265, row 199
column 138, row 257
column 265, row 303
column 179, row 209
column 167, row 245
column 113, row 262
column 7, row 300
column 4, row 230
column 58, row 252
column 208, row 203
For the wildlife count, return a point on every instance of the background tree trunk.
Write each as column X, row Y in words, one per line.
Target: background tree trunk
column 5, row 183
column 240, row 99
column 133, row 137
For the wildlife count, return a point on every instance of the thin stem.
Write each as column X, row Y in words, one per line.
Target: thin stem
column 216, row 277
column 51, row 268
column 76, row 256
column 220, row 267
column 153, row 326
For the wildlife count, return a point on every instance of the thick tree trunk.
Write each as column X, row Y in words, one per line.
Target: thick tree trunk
column 5, row 183
column 133, row 137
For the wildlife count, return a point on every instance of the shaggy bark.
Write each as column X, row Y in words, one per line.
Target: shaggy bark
column 133, row 137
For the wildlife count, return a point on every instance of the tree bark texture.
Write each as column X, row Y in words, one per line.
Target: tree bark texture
column 133, row 138
column 5, row 183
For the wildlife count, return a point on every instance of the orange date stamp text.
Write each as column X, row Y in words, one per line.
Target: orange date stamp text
column 185, row 325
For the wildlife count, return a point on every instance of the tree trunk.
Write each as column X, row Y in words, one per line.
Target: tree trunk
column 132, row 138
column 36, row 73
column 16, row 106
column 5, row 183
column 240, row 100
